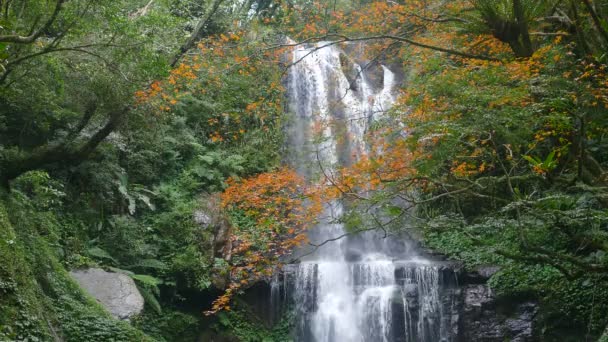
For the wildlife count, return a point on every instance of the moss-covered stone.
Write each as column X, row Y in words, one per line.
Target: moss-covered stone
column 40, row 301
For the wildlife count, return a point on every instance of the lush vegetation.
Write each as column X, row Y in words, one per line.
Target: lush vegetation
column 107, row 152
column 145, row 137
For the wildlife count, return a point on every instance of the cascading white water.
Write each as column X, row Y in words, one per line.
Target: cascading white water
column 354, row 289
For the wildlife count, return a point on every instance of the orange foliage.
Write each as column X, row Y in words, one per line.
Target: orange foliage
column 389, row 161
column 218, row 58
column 278, row 208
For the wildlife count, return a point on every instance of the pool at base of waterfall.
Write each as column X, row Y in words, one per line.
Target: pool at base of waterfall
column 380, row 300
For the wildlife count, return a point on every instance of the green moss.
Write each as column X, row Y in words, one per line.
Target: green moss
column 40, row 301
column 22, row 311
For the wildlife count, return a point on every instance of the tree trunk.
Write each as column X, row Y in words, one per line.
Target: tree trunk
column 580, row 34
column 597, row 21
column 63, row 153
column 604, row 337
column 526, row 49
column 198, row 33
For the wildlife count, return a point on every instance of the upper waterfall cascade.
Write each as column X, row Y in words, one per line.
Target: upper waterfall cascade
column 364, row 287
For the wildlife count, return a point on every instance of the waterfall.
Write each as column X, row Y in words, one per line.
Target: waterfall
column 357, row 288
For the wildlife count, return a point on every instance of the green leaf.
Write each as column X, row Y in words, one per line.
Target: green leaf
column 99, row 253
column 151, row 263
column 532, row 160
column 120, row 270
column 147, row 279
column 550, row 157
column 207, row 159
column 224, row 319
column 150, row 299
column 393, row 210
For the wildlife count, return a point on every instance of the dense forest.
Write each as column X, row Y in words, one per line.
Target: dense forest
column 151, row 139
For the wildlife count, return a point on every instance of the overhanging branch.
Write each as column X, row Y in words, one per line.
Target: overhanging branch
column 343, row 39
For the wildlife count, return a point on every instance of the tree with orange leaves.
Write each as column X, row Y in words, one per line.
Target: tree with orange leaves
column 270, row 214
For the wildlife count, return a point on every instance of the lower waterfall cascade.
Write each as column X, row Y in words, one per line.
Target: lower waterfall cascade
column 360, row 287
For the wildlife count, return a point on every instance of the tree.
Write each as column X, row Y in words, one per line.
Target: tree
column 509, row 22
column 68, row 81
column 270, row 214
column 55, row 44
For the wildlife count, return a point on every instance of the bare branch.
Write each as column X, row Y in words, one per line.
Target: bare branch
column 142, row 11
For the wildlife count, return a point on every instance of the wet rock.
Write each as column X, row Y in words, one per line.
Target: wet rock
column 115, row 291
column 520, row 327
column 401, row 272
column 209, row 215
column 479, row 275
column 410, row 290
column 410, row 296
column 202, row 218
column 478, row 296
column 350, row 70
column 479, row 318
column 374, row 74
column 352, row 256
column 486, row 318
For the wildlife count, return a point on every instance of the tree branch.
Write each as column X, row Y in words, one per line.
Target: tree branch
column 198, row 33
column 597, row 21
column 61, row 153
column 344, row 39
column 142, row 11
column 18, row 39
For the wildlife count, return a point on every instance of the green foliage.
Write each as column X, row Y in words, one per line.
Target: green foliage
column 39, row 297
column 129, row 206
column 147, row 280
column 509, row 184
column 547, row 165
column 99, row 253
column 170, row 325
column 495, row 10
column 247, row 328
column 150, row 299
column 80, row 322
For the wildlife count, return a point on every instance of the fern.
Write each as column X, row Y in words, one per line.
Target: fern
column 147, row 280
column 151, row 263
column 99, row 253
column 150, row 299
column 120, row 270
column 493, row 10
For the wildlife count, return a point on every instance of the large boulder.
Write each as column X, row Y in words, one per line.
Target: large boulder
column 115, row 291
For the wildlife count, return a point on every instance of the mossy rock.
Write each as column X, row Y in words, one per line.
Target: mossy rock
column 40, row 301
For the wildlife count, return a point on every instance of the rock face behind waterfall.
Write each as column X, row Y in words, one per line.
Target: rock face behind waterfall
column 367, row 287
